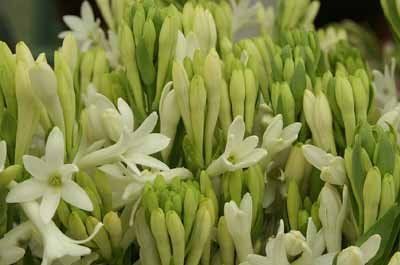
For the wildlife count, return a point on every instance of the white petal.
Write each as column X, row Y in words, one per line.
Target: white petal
column 36, row 167
column 147, row 161
column 291, row 132
column 67, row 170
column 251, row 159
column 326, row 259
column 253, row 259
column 273, row 130
column 74, row 23
column 370, row 247
column 180, row 50
column 132, row 190
column 126, row 114
column 3, row 154
column 147, row 126
column 49, row 204
column 192, row 44
column 181, row 172
column 87, row 12
column 150, row 144
column 245, row 147
column 113, row 170
column 26, row 191
column 55, row 148
column 315, row 156
column 11, row 255
column 76, row 196
column 246, row 205
column 235, row 133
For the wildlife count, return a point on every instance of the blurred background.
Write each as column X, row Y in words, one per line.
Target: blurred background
column 38, row 22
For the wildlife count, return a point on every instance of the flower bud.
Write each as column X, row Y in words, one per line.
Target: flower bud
column 372, row 197
column 113, row 226
column 176, row 233
column 388, row 194
column 159, row 230
column 101, row 239
column 293, row 204
column 237, row 91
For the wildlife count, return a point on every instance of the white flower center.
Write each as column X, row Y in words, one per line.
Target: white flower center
column 55, row 180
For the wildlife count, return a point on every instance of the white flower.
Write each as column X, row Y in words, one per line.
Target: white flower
column 332, row 213
column 244, row 22
column 55, row 244
column 10, row 249
column 51, row 180
column 385, row 87
column 330, row 36
column 360, row 255
column 276, row 138
column 392, row 118
column 332, row 167
column 134, row 147
column 186, row 46
column 238, row 221
column 239, row 152
column 86, row 29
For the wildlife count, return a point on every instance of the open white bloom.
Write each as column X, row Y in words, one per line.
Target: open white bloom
column 276, row 138
column 86, row 29
column 392, row 118
column 385, row 87
column 239, row 152
column 244, row 22
column 51, row 180
column 330, row 36
column 238, row 221
column 55, row 244
column 360, row 255
column 332, row 167
column 332, row 213
column 10, row 245
column 186, row 46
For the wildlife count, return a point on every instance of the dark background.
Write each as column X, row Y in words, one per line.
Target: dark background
column 38, row 22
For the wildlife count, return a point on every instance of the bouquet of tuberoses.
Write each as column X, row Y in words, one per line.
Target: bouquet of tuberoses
column 201, row 132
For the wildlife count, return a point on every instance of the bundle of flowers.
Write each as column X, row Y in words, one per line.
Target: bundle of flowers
column 201, row 132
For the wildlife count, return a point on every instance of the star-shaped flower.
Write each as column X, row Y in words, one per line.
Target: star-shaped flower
column 51, row 180
column 239, row 152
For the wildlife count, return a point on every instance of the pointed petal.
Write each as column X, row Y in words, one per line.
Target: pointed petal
column 67, row 170
column 326, row 259
column 150, row 144
column 147, row 161
column 291, row 132
column 315, row 156
column 370, row 247
column 87, row 12
column 55, row 148
column 49, row 204
column 147, row 126
column 11, row 255
column 26, row 191
column 126, row 114
column 74, row 23
column 132, row 190
column 251, row 159
column 246, row 205
column 274, row 129
column 76, row 196
column 236, row 133
column 245, row 147
column 37, row 167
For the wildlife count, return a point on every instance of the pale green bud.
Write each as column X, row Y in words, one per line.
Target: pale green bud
column 360, row 99
column 293, row 204
column 176, row 233
column 345, row 101
column 251, row 98
column 77, row 229
column 100, row 67
column 388, row 194
column 86, row 69
column 225, row 116
column 296, row 165
column 105, row 9
column 371, row 197
column 190, row 204
column 225, row 242
column 395, row 260
column 286, row 104
column 138, row 22
column 70, row 52
column 101, row 239
column 288, row 69
column 7, row 78
column 237, row 91
column 159, row 229
column 113, row 226
column 9, row 174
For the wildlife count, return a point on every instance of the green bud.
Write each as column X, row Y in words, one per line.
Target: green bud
column 7, row 78
column 148, row 248
column 315, row 215
column 77, row 229
column 206, row 188
column 345, row 101
column 225, row 116
column 150, row 201
column 303, row 221
column 286, row 104
column 138, row 22
column 384, row 156
column 63, row 213
column 100, row 67
column 103, row 187
column 176, row 233
column 149, row 36
column 388, row 194
column 237, row 91
column 371, row 197
column 113, row 226
column 395, row 260
column 101, row 239
column 190, row 205
column 128, row 56
column 288, row 69
column 293, row 204
column 167, row 42
column 198, row 100
column 9, row 174
column 250, row 99
column 235, row 186
column 200, row 236
column 225, row 242
column 160, row 233
column 105, row 8
column 86, row 69
column 212, row 75
column 360, row 99
column 296, row 164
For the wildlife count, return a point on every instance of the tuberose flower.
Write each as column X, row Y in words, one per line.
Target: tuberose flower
column 239, row 152
column 51, row 180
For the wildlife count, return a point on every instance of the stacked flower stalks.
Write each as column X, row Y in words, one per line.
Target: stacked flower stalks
column 201, row 132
